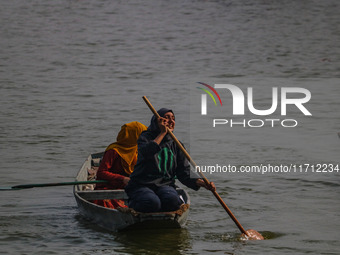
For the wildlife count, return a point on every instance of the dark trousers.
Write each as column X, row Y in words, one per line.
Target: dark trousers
column 144, row 199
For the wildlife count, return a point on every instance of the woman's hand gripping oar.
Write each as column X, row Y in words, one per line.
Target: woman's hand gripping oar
column 250, row 234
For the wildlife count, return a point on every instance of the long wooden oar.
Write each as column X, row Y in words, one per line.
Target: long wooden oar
column 38, row 185
column 250, row 233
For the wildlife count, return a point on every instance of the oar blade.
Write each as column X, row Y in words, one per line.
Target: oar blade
column 252, row 235
column 7, row 188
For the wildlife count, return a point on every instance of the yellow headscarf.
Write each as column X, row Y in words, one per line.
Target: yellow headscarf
column 126, row 145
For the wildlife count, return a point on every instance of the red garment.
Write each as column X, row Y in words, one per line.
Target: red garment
column 111, row 169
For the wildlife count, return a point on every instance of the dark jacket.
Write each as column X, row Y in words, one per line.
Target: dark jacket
column 159, row 165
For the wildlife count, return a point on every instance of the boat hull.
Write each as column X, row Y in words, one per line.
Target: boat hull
column 122, row 218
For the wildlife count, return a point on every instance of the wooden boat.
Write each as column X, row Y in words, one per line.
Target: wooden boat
column 121, row 218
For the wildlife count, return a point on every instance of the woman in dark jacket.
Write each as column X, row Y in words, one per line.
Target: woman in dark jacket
column 152, row 184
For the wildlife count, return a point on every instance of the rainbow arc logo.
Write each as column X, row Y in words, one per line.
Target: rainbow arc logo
column 204, row 97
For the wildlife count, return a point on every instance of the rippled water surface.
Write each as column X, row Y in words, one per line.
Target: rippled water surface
column 72, row 72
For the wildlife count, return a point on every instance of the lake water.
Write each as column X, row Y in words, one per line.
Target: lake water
column 72, row 72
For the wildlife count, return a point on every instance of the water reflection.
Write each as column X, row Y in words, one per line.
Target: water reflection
column 155, row 241
column 135, row 241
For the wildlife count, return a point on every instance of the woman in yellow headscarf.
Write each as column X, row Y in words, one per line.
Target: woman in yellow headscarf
column 118, row 162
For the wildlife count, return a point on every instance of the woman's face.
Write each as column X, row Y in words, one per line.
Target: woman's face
column 170, row 120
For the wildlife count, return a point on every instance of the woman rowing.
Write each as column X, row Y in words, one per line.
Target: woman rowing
column 152, row 184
